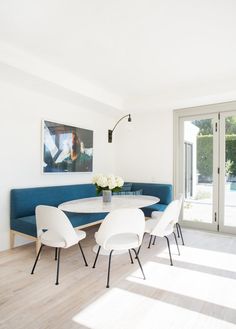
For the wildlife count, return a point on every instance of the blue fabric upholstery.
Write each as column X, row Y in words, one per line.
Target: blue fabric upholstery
column 162, row 191
column 24, row 201
column 138, row 192
column 126, row 187
column 155, row 207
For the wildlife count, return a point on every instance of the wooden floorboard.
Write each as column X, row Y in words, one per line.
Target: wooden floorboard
column 199, row 291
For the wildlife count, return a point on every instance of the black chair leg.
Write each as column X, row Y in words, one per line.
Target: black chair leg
column 136, row 254
column 109, row 269
column 177, row 229
column 176, row 241
column 82, row 252
column 138, row 251
column 55, row 253
column 37, row 258
column 168, row 244
column 58, row 265
column 131, row 258
column 180, row 230
column 150, row 241
column 154, row 241
column 95, row 261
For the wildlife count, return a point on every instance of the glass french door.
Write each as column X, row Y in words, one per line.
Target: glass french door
column 227, row 192
column 207, row 171
column 199, row 170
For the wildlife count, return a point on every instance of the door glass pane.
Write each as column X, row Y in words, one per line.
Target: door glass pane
column 230, row 172
column 198, row 170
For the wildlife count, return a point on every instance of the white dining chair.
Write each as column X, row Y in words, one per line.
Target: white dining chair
column 158, row 214
column 177, row 224
column 163, row 227
column 122, row 229
column 55, row 230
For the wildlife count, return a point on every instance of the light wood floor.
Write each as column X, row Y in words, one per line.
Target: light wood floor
column 199, row 291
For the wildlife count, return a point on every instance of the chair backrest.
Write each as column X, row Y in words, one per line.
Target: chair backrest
column 168, row 217
column 121, row 221
column 180, row 199
column 53, row 219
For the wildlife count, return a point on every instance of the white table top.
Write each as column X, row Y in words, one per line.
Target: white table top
column 96, row 205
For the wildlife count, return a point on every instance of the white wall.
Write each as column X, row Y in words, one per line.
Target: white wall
column 21, row 112
column 144, row 147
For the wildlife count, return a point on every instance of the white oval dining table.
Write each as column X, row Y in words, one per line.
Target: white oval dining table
column 96, row 205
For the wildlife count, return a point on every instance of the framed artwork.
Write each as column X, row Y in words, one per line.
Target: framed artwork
column 66, row 148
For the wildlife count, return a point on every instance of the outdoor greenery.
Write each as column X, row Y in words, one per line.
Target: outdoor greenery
column 205, row 126
column 204, row 155
column 205, row 145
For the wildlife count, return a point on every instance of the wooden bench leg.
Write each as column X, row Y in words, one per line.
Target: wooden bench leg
column 38, row 245
column 12, row 239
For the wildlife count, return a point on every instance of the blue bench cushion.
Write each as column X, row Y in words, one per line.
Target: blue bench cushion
column 27, row 225
column 161, row 191
column 155, row 207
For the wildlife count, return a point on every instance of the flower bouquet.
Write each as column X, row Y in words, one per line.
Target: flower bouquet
column 110, row 182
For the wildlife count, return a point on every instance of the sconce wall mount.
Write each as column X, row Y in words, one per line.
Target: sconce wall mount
column 110, row 132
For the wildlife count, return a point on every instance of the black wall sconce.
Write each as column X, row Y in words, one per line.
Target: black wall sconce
column 110, row 132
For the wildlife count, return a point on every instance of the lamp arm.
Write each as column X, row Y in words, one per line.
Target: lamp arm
column 119, row 121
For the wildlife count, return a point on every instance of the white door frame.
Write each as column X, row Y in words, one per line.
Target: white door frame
column 180, row 188
column 215, row 109
column 222, row 227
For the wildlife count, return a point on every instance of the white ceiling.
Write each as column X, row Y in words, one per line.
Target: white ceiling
column 151, row 54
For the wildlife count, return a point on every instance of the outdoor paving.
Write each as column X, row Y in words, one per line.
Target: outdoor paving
column 200, row 209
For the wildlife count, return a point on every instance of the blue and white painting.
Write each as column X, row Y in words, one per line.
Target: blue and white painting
column 67, row 148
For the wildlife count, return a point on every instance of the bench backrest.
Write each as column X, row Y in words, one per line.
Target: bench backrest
column 24, row 201
column 163, row 191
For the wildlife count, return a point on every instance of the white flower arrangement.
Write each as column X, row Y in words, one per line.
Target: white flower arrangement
column 110, row 182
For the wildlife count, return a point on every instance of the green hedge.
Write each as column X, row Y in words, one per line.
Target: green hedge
column 204, row 154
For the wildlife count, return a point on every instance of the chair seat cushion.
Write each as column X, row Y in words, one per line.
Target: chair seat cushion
column 156, row 214
column 53, row 239
column 149, row 225
column 122, row 241
column 155, row 207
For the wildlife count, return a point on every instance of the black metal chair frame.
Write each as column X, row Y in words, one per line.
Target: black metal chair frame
column 109, row 263
column 168, row 245
column 179, row 232
column 57, row 258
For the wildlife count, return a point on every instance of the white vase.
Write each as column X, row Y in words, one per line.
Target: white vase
column 106, row 195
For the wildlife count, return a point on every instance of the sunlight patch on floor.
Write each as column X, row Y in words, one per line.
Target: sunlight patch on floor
column 195, row 284
column 121, row 309
column 216, row 259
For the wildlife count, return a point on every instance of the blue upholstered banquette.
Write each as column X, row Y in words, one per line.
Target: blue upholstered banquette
column 163, row 191
column 23, row 203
